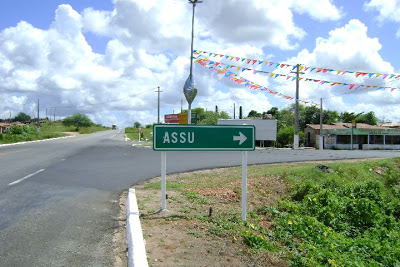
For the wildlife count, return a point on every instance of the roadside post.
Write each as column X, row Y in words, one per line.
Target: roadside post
column 140, row 131
column 204, row 138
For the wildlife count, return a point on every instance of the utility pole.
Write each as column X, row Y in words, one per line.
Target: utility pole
column 158, row 104
column 296, row 110
column 234, row 111
column 321, row 137
column 54, row 113
column 38, row 120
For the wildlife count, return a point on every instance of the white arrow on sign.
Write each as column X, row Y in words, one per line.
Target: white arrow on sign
column 241, row 138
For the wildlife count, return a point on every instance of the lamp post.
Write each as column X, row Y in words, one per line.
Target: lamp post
column 190, row 89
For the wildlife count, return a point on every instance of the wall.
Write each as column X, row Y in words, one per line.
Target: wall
column 265, row 129
column 341, row 146
column 381, row 147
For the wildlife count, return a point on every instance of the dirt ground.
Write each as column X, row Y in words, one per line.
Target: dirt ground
column 174, row 238
column 178, row 238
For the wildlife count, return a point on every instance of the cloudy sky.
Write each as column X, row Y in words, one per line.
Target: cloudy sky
column 106, row 58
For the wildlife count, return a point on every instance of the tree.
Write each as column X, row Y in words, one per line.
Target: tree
column 211, row 117
column 137, row 124
column 274, row 111
column 311, row 116
column 330, row 116
column 78, row 120
column 285, row 136
column 22, row 117
column 348, row 116
column 224, row 115
column 208, row 117
column 285, row 118
column 368, row 118
column 254, row 113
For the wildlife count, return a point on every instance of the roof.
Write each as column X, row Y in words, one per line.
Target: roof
column 391, row 124
column 343, row 125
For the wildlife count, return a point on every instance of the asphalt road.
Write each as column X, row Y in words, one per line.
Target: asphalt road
column 58, row 198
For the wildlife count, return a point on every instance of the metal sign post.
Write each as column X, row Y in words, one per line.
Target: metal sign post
column 244, row 185
column 163, row 180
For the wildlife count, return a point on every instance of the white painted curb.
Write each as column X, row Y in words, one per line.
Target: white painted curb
column 134, row 236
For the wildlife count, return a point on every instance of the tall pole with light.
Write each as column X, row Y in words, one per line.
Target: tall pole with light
column 190, row 89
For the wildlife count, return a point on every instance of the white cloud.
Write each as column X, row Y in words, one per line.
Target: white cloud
column 389, row 10
column 97, row 21
column 149, row 45
column 156, row 23
column 322, row 10
column 349, row 48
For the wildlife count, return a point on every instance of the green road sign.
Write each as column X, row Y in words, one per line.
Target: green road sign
column 203, row 137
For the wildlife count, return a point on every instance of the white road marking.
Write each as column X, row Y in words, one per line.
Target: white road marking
column 26, row 177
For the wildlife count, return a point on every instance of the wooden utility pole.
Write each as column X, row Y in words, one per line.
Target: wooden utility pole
column 296, row 110
column 321, row 117
column 158, row 104
column 38, row 119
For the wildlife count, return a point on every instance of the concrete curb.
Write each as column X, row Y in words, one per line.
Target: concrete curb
column 134, row 236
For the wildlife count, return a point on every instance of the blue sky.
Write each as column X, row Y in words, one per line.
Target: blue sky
column 106, row 58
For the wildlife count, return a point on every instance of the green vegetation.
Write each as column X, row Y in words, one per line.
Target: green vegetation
column 59, row 128
column 145, row 135
column 343, row 214
column 26, row 133
column 47, row 130
column 22, row 117
column 347, row 217
column 78, row 120
column 208, row 117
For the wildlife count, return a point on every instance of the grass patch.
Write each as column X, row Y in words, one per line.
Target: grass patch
column 133, row 134
column 306, row 217
column 47, row 130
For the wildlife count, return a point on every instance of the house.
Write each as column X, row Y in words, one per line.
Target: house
column 4, row 126
column 391, row 124
column 344, row 136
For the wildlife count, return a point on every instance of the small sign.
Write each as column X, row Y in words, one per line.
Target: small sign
column 203, row 137
column 171, row 118
column 183, row 118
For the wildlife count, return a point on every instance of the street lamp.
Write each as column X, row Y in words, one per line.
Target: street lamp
column 190, row 89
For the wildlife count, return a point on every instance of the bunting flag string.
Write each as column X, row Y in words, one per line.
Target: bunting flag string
column 206, row 61
column 302, row 66
column 240, row 80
